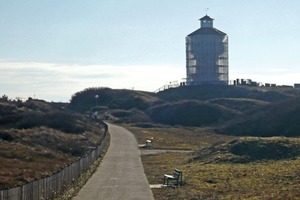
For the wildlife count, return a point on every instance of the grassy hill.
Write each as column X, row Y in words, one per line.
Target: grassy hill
column 222, row 166
column 207, row 92
column 38, row 138
column 238, row 104
column 111, row 99
column 251, row 149
column 238, row 110
column 190, row 113
column 277, row 119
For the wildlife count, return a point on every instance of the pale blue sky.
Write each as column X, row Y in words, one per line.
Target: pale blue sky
column 54, row 48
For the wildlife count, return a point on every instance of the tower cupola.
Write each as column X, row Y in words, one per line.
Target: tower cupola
column 206, row 22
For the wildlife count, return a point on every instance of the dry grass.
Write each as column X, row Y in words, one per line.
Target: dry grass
column 34, row 153
column 20, row 164
column 39, row 150
column 73, row 190
column 210, row 178
column 178, row 137
column 264, row 180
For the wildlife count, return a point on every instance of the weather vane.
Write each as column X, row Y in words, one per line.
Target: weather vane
column 206, row 10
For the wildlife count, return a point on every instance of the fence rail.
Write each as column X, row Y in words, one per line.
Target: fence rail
column 48, row 187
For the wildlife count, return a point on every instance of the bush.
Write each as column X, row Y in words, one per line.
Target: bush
column 31, row 119
column 114, row 99
column 250, row 149
column 265, row 149
column 120, row 113
column 207, row 92
column 9, row 118
column 280, row 119
column 66, row 122
column 6, row 136
column 7, row 108
column 189, row 113
column 130, row 116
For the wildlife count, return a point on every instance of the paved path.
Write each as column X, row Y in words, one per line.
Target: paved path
column 120, row 174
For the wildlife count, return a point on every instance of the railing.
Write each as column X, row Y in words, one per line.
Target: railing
column 48, row 187
column 173, row 84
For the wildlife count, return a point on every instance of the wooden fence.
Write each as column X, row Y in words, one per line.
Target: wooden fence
column 48, row 187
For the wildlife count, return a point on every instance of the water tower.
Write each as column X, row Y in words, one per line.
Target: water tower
column 207, row 55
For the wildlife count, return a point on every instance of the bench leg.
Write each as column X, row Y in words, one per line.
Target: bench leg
column 166, row 179
column 175, row 182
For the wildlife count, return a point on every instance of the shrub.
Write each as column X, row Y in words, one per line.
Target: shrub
column 6, row 136
column 280, row 119
column 258, row 149
column 131, row 116
column 250, row 149
column 10, row 118
column 114, row 99
column 67, row 122
column 189, row 113
column 120, row 113
column 31, row 119
column 7, row 108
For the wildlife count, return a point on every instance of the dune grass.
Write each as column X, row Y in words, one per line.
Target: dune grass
column 259, row 180
column 166, row 137
column 219, row 174
column 38, row 139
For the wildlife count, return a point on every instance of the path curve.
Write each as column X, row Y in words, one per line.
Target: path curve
column 120, row 174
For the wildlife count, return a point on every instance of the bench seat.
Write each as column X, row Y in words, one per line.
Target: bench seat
column 177, row 177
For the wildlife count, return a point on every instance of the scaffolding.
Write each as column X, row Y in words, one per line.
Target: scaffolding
column 207, row 55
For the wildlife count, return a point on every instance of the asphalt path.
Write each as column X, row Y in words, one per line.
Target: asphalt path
column 120, row 174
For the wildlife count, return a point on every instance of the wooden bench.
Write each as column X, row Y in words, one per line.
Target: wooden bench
column 149, row 142
column 176, row 178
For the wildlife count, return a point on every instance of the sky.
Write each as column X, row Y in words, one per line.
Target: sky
column 51, row 49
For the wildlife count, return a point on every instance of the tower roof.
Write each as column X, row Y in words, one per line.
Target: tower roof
column 210, row 31
column 206, row 17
